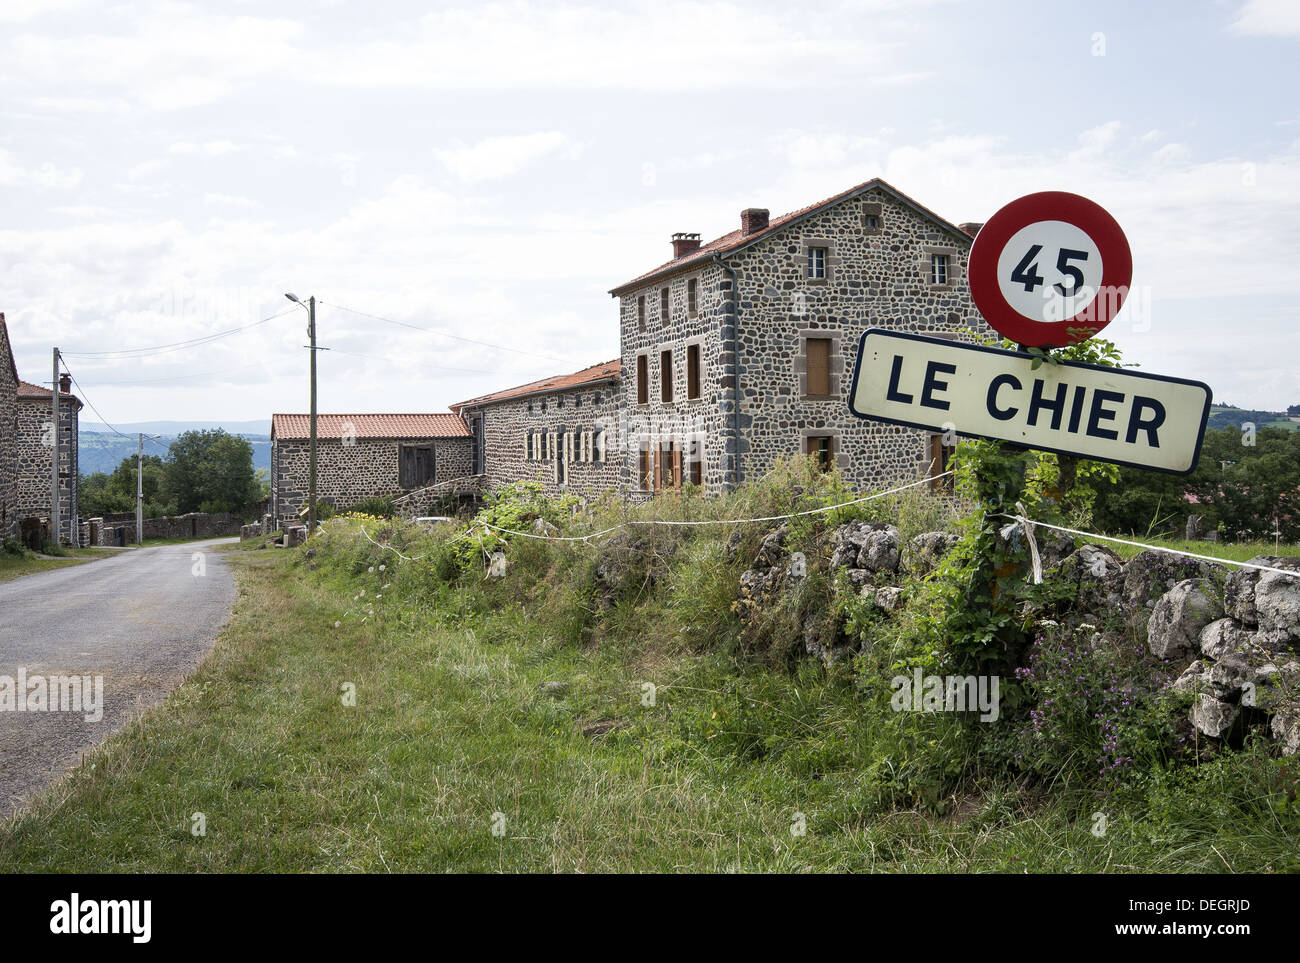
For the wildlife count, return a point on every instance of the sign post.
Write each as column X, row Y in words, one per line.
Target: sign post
column 1047, row 271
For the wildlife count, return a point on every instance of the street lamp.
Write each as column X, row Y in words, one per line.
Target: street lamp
column 310, row 307
column 139, row 488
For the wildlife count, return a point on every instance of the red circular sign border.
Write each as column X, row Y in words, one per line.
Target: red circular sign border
column 1089, row 217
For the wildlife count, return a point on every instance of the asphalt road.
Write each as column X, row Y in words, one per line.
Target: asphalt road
column 142, row 620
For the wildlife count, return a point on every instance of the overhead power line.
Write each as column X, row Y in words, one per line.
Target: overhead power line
column 81, row 393
column 175, row 345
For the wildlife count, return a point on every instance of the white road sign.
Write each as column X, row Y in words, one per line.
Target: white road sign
column 1109, row 414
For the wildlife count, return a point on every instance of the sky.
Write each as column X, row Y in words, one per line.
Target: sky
column 481, row 174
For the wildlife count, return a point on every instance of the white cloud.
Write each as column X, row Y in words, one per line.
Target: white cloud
column 14, row 174
column 1268, row 18
column 212, row 148
column 228, row 200
column 673, row 45
column 498, row 157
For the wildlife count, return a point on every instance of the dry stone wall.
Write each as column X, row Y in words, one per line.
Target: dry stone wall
column 345, row 474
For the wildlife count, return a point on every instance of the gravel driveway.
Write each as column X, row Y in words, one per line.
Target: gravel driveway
column 142, row 619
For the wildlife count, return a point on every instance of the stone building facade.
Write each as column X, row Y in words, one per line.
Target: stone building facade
column 8, row 438
column 35, row 440
column 563, row 432
column 741, row 350
column 358, row 456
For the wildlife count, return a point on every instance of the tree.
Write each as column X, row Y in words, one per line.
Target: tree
column 114, row 492
column 211, row 471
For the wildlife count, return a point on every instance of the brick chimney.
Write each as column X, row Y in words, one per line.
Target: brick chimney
column 971, row 227
column 684, row 243
column 753, row 220
column 65, row 384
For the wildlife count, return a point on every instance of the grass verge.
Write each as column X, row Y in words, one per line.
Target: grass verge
column 16, row 566
column 471, row 717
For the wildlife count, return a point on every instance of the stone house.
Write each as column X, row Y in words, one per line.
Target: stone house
column 740, row 350
column 35, row 439
column 357, row 456
column 562, row 431
column 8, row 438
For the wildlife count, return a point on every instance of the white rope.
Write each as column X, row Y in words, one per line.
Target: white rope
column 1154, row 548
column 390, row 548
column 552, row 538
column 718, row 521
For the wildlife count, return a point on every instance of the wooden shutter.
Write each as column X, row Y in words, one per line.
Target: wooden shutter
column 642, row 380
column 692, row 371
column 665, row 376
column 817, row 352
column 598, row 441
column 527, row 442
column 677, row 466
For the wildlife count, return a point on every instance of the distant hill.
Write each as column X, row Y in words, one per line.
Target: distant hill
column 100, row 449
column 1226, row 416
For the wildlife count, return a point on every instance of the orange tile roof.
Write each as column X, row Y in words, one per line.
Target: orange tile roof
column 606, row 371
column 370, row 426
column 28, row 390
column 737, row 239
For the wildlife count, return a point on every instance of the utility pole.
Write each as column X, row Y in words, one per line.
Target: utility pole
column 54, row 454
column 310, row 307
column 139, row 491
column 311, row 458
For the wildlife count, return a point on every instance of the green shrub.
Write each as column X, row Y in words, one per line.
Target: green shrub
column 377, row 505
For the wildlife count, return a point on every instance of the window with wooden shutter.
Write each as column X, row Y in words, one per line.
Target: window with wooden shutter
column 821, row 448
column 692, row 371
column 642, row 379
column 663, row 306
column 646, row 482
column 940, row 458
column 693, row 297
column 665, row 376
column 817, row 354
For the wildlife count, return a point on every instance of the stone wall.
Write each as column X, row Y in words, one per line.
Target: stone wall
column 120, row 529
column 877, row 276
column 34, row 459
column 345, row 474
column 9, row 515
column 567, row 440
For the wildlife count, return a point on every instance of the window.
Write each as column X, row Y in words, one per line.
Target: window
column 692, row 371
column 871, row 222
column 817, row 352
column 646, row 478
column 640, row 312
column 415, row 466
column 665, row 376
column 693, row 297
column 663, row 306
column 938, row 269
column 822, row 449
column 817, row 262
column 940, row 457
column 697, row 474
column 642, row 380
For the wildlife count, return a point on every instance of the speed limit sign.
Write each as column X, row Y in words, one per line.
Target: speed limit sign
column 1050, row 269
